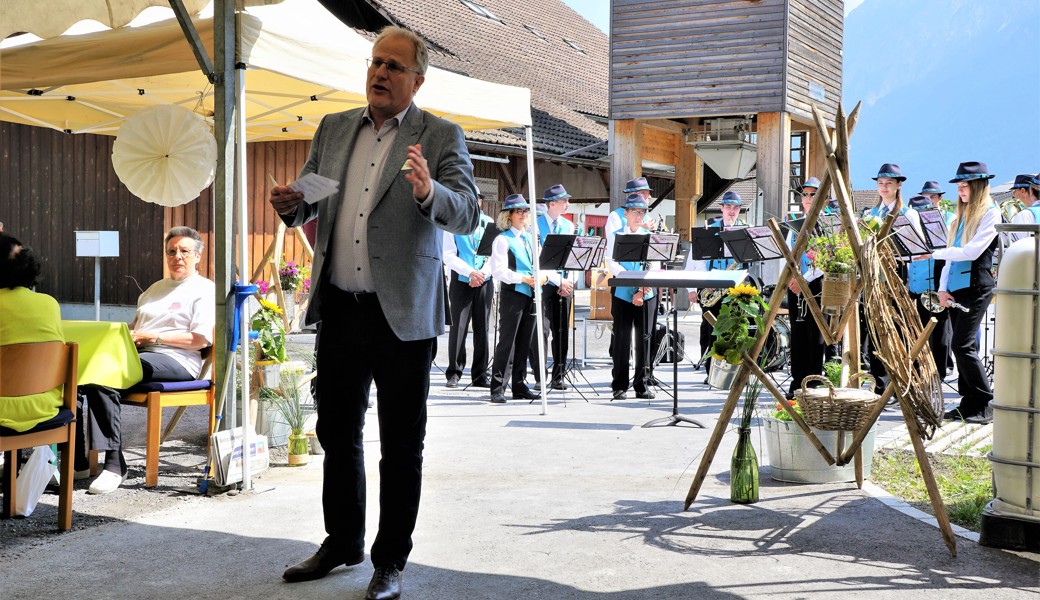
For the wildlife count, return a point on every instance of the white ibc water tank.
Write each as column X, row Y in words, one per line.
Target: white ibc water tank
column 1016, row 389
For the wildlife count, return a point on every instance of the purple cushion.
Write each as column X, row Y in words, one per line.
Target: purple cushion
column 64, row 417
column 170, row 386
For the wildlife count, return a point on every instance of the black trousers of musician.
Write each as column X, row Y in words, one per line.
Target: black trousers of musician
column 941, row 335
column 556, row 310
column 469, row 304
column 651, row 323
column 706, row 329
column 629, row 317
column 972, row 383
column 99, row 412
column 516, row 327
column 808, row 348
column 874, row 365
column 356, row 346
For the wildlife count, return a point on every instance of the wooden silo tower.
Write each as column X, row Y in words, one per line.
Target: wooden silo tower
column 688, row 65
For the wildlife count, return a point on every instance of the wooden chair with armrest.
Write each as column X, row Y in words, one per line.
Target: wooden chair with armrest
column 34, row 368
column 156, row 395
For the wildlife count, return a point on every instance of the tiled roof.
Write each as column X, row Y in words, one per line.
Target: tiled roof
column 565, row 84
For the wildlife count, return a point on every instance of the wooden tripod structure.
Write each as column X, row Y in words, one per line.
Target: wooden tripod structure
column 272, row 256
column 836, row 152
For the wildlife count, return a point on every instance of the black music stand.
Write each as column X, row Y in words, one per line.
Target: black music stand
column 751, row 244
column 908, row 240
column 675, row 280
column 933, row 222
column 571, row 252
column 706, row 244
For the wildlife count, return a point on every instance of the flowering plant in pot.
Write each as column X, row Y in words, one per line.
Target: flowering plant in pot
column 270, row 341
column 292, row 275
column 742, row 307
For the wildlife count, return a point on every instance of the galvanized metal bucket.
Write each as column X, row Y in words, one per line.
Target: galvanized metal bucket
column 794, row 459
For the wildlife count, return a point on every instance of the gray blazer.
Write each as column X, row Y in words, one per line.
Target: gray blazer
column 404, row 242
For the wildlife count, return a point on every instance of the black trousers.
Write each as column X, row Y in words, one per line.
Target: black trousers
column 629, row 317
column 808, row 348
column 874, row 365
column 556, row 310
column 972, row 382
column 706, row 329
column 355, row 346
column 516, row 327
column 941, row 335
column 99, row 411
column 468, row 304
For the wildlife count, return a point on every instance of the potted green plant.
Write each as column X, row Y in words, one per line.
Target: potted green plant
column 741, row 318
column 832, row 254
column 287, row 400
column 270, row 341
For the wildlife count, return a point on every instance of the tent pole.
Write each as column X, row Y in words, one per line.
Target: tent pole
column 243, row 257
column 537, row 273
column 224, row 34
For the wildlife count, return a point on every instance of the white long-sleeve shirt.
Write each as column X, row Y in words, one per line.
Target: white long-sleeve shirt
column 971, row 249
column 500, row 262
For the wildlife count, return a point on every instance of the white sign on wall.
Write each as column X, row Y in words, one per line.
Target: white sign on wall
column 489, row 187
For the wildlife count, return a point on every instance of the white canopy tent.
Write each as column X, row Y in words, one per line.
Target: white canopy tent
column 300, row 63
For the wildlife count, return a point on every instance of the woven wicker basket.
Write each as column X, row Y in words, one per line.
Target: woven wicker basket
column 837, row 409
column 836, row 290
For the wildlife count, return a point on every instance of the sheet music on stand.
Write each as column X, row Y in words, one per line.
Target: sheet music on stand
column 907, row 239
column 662, row 246
column 681, row 256
column 934, row 224
column 829, row 224
column 751, row 244
column 582, row 252
column 795, row 225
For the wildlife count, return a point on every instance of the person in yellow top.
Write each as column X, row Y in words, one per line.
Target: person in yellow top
column 26, row 317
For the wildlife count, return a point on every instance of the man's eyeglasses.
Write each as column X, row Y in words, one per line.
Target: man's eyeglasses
column 392, row 68
column 175, row 251
column 809, row 194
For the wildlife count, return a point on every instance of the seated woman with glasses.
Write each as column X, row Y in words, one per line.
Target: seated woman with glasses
column 174, row 322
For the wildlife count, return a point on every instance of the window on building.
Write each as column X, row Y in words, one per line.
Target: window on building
column 481, row 10
column 534, row 32
column 798, row 175
column 574, row 45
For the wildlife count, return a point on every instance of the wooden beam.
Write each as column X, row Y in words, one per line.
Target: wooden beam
column 659, row 146
column 626, row 161
column 666, row 125
column 689, row 187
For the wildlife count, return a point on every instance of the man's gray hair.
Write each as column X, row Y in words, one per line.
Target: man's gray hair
column 422, row 57
column 177, row 232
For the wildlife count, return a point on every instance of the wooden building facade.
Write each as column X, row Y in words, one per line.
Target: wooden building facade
column 677, row 64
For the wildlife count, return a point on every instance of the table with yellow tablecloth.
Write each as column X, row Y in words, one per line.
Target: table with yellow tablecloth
column 107, row 354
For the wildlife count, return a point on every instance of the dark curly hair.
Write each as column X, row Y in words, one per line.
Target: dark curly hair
column 19, row 266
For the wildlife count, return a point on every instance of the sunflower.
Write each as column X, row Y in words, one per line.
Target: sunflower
column 271, row 306
column 744, row 289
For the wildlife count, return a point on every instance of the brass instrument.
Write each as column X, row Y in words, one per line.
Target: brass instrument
column 711, row 296
column 1009, row 208
column 930, row 300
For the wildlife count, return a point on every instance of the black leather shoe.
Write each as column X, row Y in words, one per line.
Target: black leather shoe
column 498, row 398
column 482, row 383
column 953, row 415
column 319, row 565
column 526, row 395
column 558, row 385
column 985, row 417
column 453, row 381
column 619, row 395
column 647, row 395
column 385, row 584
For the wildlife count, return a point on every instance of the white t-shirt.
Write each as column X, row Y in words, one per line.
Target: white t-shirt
column 185, row 305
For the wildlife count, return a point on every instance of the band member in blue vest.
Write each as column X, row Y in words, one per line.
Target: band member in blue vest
column 628, row 305
column 731, row 205
column 806, row 338
column 967, row 278
column 889, row 180
column 512, row 264
column 556, row 298
column 470, row 293
column 1027, row 191
column 943, row 331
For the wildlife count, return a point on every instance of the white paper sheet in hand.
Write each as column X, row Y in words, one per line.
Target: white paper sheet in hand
column 315, row 187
